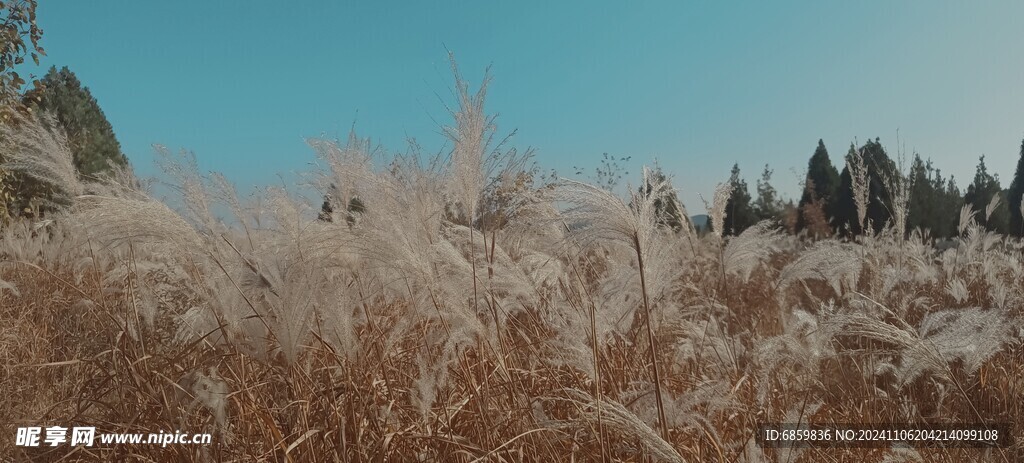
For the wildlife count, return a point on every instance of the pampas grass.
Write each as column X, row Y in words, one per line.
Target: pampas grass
column 468, row 312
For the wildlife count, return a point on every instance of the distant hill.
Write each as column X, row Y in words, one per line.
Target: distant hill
column 700, row 221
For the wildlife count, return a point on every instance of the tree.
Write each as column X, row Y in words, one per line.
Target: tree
column 1014, row 195
column 739, row 213
column 878, row 165
column 819, row 192
column 934, row 201
column 768, row 205
column 90, row 136
column 19, row 36
column 980, row 194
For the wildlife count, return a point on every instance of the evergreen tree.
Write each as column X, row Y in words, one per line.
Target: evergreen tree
column 878, row 165
column 934, row 201
column 1014, row 194
column 922, row 196
column 979, row 195
column 90, row 136
column 768, row 205
column 952, row 202
column 739, row 213
column 819, row 193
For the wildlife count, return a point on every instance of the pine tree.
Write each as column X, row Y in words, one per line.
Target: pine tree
column 819, row 193
column 949, row 207
column 768, row 205
column 934, row 201
column 739, row 213
column 980, row 194
column 922, row 196
column 878, row 165
column 1014, row 195
column 90, row 135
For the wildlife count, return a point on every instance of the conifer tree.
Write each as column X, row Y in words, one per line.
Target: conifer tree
column 767, row 206
column 819, row 192
column 90, row 135
column 934, row 201
column 878, row 165
column 980, row 194
column 1014, row 195
column 739, row 212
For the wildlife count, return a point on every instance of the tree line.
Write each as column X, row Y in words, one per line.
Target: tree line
column 872, row 191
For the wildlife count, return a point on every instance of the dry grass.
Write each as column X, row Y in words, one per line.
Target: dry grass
column 422, row 329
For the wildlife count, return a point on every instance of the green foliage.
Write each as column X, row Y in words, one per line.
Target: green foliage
column 980, row 194
column 19, row 37
column 819, row 188
column 1014, row 195
column 768, row 205
column 90, row 136
column 934, row 201
column 740, row 213
column 844, row 211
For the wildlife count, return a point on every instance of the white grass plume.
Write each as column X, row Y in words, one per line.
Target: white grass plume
column 859, row 183
column 750, row 249
column 717, row 210
column 37, row 147
column 616, row 418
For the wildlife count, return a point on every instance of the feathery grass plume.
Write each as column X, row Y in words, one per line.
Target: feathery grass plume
column 349, row 167
column 595, row 214
column 957, row 289
column 898, row 186
column 8, row 286
column 472, row 135
column 859, row 183
column 795, row 356
column 992, row 205
column 833, row 262
column 116, row 221
column 705, row 342
column 35, row 146
column 750, row 249
column 717, row 212
column 184, row 178
column 967, row 214
column 971, row 335
column 618, row 419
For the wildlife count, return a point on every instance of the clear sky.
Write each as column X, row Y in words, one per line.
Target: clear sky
column 695, row 85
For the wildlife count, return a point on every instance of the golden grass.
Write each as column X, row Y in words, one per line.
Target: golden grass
column 77, row 364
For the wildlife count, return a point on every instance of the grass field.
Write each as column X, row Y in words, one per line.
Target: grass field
column 467, row 311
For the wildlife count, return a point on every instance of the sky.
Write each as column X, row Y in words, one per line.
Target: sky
column 693, row 86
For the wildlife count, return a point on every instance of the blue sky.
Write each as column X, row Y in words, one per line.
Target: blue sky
column 695, row 85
